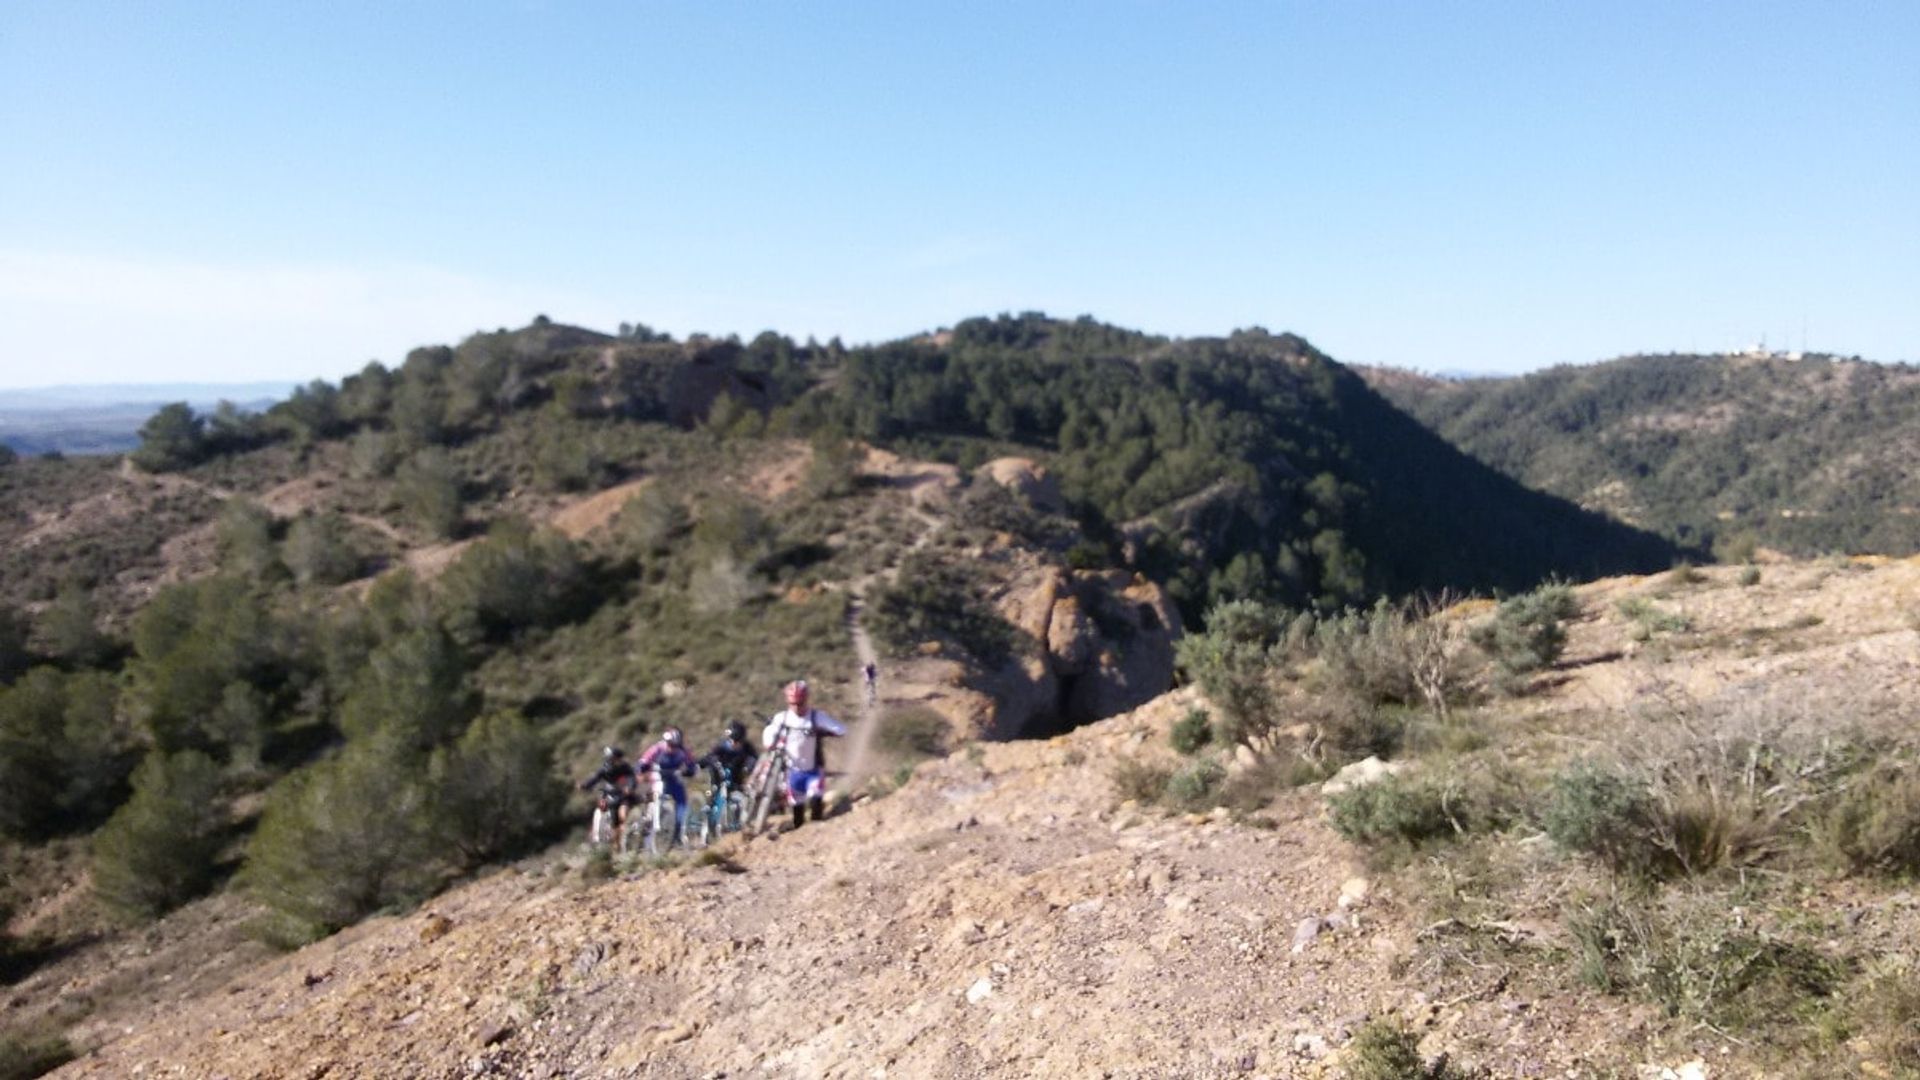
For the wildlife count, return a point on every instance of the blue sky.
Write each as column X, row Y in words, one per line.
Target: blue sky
column 263, row 190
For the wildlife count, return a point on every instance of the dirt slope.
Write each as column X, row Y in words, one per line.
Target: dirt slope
column 1001, row 916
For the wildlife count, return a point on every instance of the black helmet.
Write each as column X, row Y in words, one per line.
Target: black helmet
column 737, row 731
column 612, row 753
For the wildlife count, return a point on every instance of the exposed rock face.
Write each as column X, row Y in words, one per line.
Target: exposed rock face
column 1028, row 479
column 1103, row 644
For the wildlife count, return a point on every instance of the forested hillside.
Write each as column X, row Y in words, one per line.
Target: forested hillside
column 1719, row 452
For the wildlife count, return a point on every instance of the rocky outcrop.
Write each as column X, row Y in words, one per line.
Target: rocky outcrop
column 1027, row 478
column 1101, row 644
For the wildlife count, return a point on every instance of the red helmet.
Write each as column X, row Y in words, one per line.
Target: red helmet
column 797, row 693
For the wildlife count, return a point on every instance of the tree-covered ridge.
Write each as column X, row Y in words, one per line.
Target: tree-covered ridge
column 1245, row 466
column 1804, row 456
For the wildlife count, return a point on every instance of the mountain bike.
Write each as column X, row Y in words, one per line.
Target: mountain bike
column 659, row 838
column 768, row 783
column 605, row 831
column 723, row 811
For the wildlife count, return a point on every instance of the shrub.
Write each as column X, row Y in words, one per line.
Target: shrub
column 30, row 1053
column 1526, row 633
column 915, row 731
column 244, row 537
column 173, row 438
column 1444, row 799
column 14, row 656
column 70, row 629
column 1192, row 732
column 318, row 552
column 1234, row 663
column 1885, row 1012
column 1387, row 1050
column 1140, row 781
column 1393, row 809
column 1197, row 785
column 62, row 752
column 936, row 599
column 495, row 790
column 1601, row 812
column 519, row 577
column 1749, row 576
column 1696, row 954
column 1650, row 619
column 157, row 851
column 721, row 585
column 411, row 692
column 1874, row 824
column 340, row 840
column 428, row 486
column 651, row 521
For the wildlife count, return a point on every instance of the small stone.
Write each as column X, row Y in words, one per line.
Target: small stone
column 1310, row 1046
column 979, row 991
column 496, row 1032
column 1304, row 933
column 1353, row 892
column 678, row 1033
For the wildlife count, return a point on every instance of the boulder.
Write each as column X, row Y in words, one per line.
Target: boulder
column 1028, row 479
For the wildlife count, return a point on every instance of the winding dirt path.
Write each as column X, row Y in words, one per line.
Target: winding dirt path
column 860, row 741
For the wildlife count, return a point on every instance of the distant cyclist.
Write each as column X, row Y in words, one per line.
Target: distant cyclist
column 618, row 786
column 871, row 675
column 798, row 733
column 732, row 758
column 669, row 761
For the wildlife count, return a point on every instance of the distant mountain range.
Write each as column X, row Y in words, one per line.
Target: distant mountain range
column 106, row 418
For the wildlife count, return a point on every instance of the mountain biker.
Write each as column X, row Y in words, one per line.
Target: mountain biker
column 870, row 674
column 618, row 784
column 798, row 731
column 732, row 758
column 668, row 760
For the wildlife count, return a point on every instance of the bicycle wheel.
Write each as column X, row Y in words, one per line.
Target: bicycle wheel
column 765, row 796
column 600, row 833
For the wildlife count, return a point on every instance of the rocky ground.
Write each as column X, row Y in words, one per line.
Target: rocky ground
column 1005, row 914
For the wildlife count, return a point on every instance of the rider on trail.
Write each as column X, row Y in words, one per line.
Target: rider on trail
column 798, row 732
column 668, row 759
column 732, row 758
column 618, row 784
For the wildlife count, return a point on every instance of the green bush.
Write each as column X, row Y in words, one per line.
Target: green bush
column 429, row 488
column 318, row 551
column 158, row 850
column 1197, row 785
column 14, row 656
column 1387, row 1050
column 518, row 578
column 412, row 692
column 1650, row 619
column 1749, row 576
column 1191, row 732
column 1235, row 664
column 1697, row 954
column 31, row 1053
column 63, row 752
column 495, row 790
column 1139, row 781
column 70, row 629
column 1874, row 824
column 1394, row 809
column 243, row 536
column 937, row 599
column 1526, row 633
column 1602, row 812
column 340, row 840
column 173, row 438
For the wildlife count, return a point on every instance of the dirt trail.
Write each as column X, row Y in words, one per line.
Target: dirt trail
column 860, row 741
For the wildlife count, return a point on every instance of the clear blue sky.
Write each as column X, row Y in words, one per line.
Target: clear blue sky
column 277, row 189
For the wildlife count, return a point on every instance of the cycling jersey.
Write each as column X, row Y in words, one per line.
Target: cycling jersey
column 803, row 732
column 737, row 758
